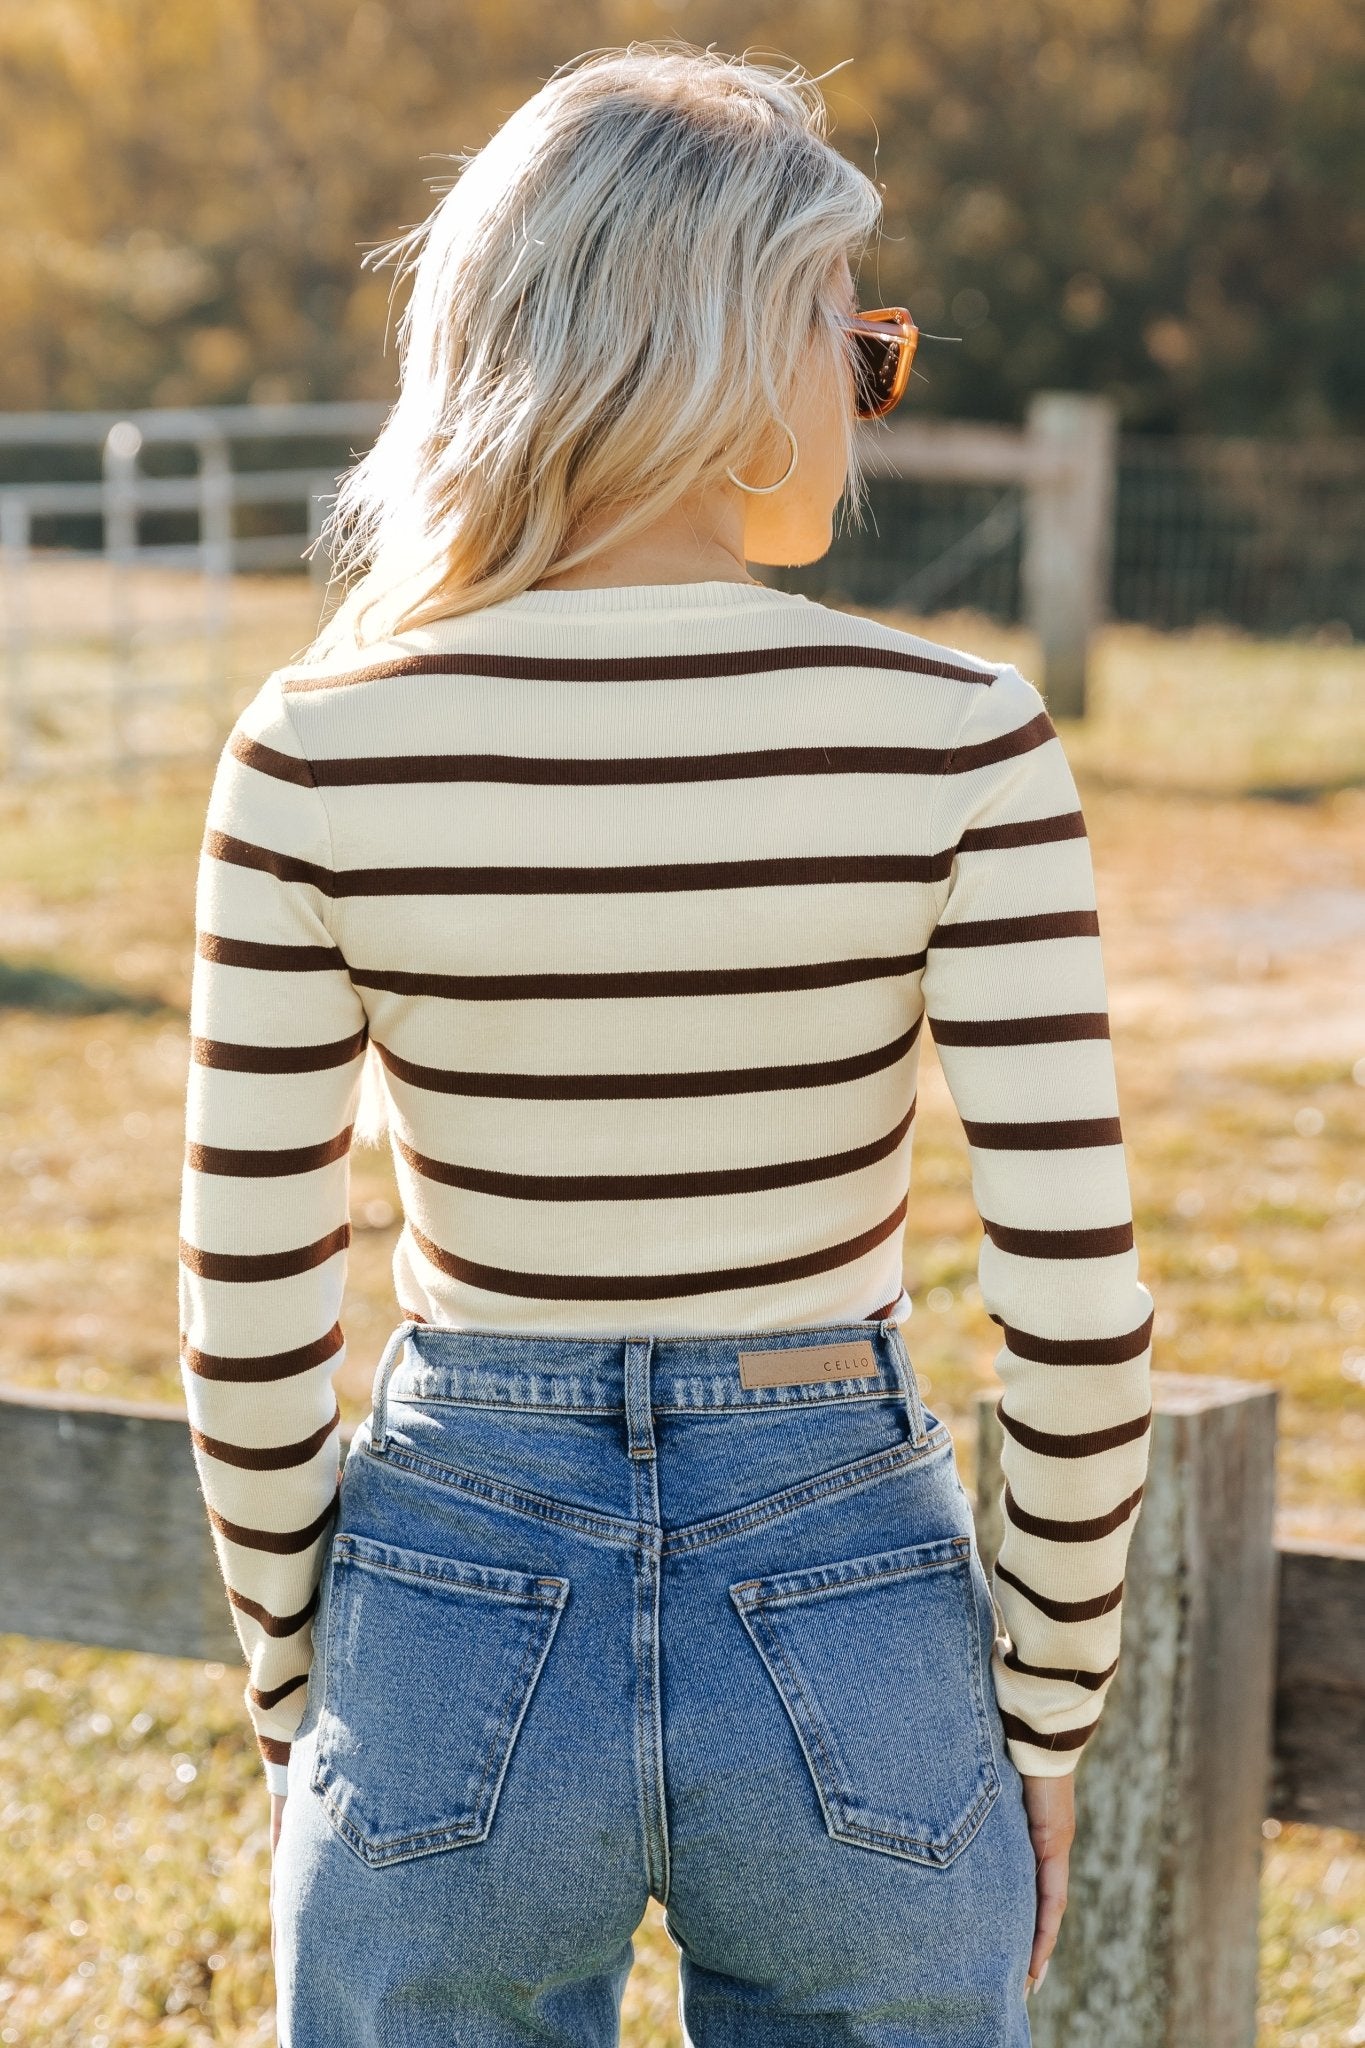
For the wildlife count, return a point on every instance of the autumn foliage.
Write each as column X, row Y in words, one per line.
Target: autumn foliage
column 1161, row 199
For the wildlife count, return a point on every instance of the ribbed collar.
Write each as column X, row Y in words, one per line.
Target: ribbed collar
column 711, row 596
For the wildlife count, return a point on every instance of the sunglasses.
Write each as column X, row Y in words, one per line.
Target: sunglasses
column 886, row 339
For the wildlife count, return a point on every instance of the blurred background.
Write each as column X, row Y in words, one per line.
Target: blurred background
column 1133, row 462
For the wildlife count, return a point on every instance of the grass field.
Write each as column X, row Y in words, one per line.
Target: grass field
column 133, row 1910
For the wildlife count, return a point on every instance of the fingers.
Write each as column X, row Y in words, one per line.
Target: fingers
column 1051, row 1808
column 1052, row 1882
column 276, row 1818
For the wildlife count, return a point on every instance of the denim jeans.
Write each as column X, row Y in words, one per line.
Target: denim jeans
column 696, row 1618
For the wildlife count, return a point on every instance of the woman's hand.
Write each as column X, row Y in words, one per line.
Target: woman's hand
column 1051, row 1807
column 276, row 1816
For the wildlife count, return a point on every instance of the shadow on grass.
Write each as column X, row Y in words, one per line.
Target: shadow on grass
column 68, row 995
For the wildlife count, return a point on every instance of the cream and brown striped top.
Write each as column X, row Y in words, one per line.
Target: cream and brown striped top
column 644, row 896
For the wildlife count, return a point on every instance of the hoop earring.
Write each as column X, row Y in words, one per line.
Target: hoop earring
column 763, row 490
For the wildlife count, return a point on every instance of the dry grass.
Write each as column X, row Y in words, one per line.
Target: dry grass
column 134, row 1908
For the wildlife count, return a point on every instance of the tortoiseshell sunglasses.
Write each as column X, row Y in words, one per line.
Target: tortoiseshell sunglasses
column 887, row 338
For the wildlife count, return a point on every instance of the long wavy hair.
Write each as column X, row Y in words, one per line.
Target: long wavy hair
column 609, row 304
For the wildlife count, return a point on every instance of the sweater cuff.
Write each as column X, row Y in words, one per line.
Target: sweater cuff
column 277, row 1778
column 1032, row 1762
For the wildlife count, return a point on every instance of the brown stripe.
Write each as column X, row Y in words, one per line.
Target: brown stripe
column 1036, row 733
column 1063, row 1610
column 270, row 761
column 880, row 1314
column 642, row 1187
column 1057, row 1030
column 278, row 1059
column 1078, row 1350
column 250, row 1268
column 274, row 1752
column 640, row 668
column 277, row 1692
column 269, row 1458
column 1070, row 1531
column 653, row 1086
column 654, row 1286
column 1018, row 931
column 590, row 986
column 1102, row 1242
column 271, row 1165
column 275, row 1624
column 354, row 771
column 1087, row 1444
column 1091, row 1680
column 272, row 959
column 285, row 867
column 267, row 1366
column 782, row 871
column 1024, row 832
column 279, row 1542
column 1061, row 1738
column 1060, row 1134
column 580, row 772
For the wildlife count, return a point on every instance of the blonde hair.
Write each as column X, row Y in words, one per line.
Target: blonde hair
column 608, row 306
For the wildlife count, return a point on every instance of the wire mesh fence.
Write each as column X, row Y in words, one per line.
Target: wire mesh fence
column 927, row 545
column 1268, row 536
column 1264, row 536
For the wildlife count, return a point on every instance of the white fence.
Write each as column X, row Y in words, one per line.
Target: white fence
column 1064, row 458
column 118, row 499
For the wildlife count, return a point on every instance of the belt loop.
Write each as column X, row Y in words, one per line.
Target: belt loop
column 378, row 1413
column 905, row 1373
column 639, row 1419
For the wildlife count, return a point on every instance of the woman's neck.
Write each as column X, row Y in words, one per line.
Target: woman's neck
column 694, row 541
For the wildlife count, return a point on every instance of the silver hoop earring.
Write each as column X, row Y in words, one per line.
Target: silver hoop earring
column 762, row 490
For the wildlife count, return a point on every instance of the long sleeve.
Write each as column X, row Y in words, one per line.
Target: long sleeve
column 1015, row 996
column 278, row 1036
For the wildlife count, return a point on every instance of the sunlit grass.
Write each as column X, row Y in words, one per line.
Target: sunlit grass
column 135, row 1899
column 134, row 1905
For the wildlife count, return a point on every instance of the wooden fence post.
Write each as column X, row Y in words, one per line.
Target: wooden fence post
column 1068, row 536
column 1158, row 1947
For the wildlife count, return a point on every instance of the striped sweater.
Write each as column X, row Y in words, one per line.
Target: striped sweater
column 644, row 897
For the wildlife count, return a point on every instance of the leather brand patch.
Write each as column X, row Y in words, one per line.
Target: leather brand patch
column 853, row 1360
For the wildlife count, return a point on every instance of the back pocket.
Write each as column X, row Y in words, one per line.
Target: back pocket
column 429, row 1667
column 877, row 1661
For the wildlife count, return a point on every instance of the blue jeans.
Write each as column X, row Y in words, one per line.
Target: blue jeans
column 696, row 1618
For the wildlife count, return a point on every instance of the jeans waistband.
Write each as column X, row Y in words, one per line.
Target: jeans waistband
column 638, row 1375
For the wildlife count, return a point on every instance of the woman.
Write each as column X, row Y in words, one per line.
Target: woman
column 625, row 883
